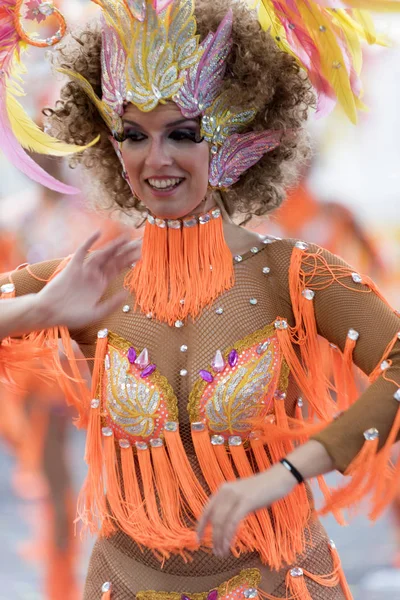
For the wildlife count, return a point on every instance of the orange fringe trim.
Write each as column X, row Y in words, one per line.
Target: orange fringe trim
column 181, row 270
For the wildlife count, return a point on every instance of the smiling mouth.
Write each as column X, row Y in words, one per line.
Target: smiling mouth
column 164, row 185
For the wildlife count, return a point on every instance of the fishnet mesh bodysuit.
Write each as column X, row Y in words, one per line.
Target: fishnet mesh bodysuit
column 118, row 559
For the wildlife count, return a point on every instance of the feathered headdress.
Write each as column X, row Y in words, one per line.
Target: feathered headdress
column 17, row 130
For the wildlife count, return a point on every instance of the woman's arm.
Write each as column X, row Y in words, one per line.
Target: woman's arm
column 73, row 298
column 339, row 304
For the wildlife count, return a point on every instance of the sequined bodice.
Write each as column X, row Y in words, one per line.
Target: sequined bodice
column 222, row 370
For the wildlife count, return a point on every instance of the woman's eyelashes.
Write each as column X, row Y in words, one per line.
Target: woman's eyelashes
column 177, row 135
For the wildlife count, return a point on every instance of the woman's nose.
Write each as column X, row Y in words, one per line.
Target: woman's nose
column 158, row 155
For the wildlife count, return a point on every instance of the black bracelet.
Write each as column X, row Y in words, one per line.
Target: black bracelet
column 292, row 469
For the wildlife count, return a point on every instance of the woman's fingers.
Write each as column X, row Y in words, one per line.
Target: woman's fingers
column 84, row 248
column 204, row 519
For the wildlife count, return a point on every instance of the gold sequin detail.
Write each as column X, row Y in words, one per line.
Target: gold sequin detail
column 247, row 577
column 238, row 395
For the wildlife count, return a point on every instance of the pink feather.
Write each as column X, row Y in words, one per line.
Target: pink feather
column 113, row 59
column 20, row 159
column 159, row 5
column 9, row 38
column 203, row 81
column 239, row 153
column 305, row 49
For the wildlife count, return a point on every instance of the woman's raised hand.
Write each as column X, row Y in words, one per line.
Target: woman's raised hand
column 73, row 297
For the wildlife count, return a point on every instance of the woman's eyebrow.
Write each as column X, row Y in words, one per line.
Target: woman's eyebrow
column 167, row 126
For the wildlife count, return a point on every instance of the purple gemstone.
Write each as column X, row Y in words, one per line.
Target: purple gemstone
column 132, row 355
column 213, row 595
column 206, row 375
column 184, row 597
column 148, row 371
column 233, row 358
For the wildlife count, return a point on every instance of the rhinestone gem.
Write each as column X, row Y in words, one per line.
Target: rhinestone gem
column 216, row 213
column 178, row 324
column 132, row 355
column 217, row 440
column 267, row 240
column 161, row 223
column 198, row 426
column 250, row 593
column 332, row 544
column 149, row 315
column 49, row 41
column 235, row 440
column 206, row 376
column 156, row 443
column 171, row 426
column 253, row 301
column 219, row 310
column 106, row 587
column 174, row 224
column 107, row 431
column 254, row 250
column 300, row 402
column 371, row 434
column 281, row 324
column 183, row 372
column 266, row 270
column 46, row 8
column 296, row 572
column 126, row 308
column 333, row 346
column 150, row 218
column 148, row 371
column 356, row 277
column 95, row 403
column 141, row 445
column 301, row 245
column 384, row 365
column 203, row 219
column 308, row 294
column 7, row 288
column 322, row 28
column 103, row 333
column 238, row 258
column 396, row 395
column 183, row 348
column 337, row 64
column 190, row 222
column 142, row 360
column 353, row 335
column 218, row 363
column 124, row 444
column 233, row 358
column 107, row 363
column 292, row 26
column 182, row 301
column 279, row 395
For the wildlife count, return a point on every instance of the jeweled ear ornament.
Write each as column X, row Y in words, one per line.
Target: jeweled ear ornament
column 238, row 154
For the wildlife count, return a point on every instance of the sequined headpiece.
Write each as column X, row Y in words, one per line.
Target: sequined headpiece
column 151, row 54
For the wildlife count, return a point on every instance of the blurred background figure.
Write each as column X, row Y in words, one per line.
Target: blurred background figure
column 347, row 201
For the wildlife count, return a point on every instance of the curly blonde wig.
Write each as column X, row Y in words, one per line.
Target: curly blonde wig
column 258, row 73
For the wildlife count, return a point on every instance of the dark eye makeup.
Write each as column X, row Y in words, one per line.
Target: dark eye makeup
column 177, row 135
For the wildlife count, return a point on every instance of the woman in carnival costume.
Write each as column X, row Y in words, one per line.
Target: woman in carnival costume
column 209, row 409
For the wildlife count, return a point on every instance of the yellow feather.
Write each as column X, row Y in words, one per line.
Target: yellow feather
column 352, row 32
column 113, row 122
column 31, row 137
column 332, row 61
column 270, row 22
column 367, row 24
column 375, row 5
